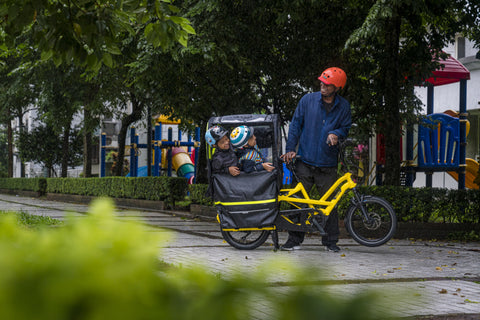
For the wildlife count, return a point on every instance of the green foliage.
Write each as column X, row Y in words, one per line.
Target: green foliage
column 30, row 184
column 42, row 145
column 248, row 57
column 466, row 236
column 430, row 204
column 32, row 221
column 3, row 154
column 90, row 32
column 168, row 189
column 91, row 269
column 397, row 47
column 197, row 194
column 100, row 268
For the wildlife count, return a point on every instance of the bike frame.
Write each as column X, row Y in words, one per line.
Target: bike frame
column 323, row 205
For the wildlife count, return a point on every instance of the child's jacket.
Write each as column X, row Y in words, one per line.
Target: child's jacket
column 250, row 159
column 222, row 160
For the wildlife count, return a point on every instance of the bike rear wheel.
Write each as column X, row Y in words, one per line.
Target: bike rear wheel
column 374, row 229
column 246, row 240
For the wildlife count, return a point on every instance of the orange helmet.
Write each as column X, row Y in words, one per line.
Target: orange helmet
column 335, row 76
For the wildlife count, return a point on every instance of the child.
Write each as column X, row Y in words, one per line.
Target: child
column 251, row 159
column 224, row 159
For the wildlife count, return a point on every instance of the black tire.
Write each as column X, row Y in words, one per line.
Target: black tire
column 246, row 240
column 381, row 227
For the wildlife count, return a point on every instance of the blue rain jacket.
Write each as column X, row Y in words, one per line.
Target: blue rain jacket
column 311, row 124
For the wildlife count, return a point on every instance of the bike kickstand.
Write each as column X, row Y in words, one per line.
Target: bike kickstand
column 276, row 246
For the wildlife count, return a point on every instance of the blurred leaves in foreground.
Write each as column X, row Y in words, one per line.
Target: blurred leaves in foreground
column 96, row 267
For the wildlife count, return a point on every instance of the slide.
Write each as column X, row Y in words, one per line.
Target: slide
column 471, row 172
column 182, row 164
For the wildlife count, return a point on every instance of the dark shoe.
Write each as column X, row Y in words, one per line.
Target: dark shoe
column 290, row 245
column 332, row 247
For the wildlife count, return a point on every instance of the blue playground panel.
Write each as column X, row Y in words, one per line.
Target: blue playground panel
column 439, row 142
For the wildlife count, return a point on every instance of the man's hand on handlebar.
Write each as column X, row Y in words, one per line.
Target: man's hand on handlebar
column 332, row 139
column 287, row 157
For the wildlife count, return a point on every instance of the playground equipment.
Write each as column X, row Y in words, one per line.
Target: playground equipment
column 471, row 172
column 442, row 149
column 181, row 165
column 438, row 148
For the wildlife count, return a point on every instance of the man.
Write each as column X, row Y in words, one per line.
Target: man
column 321, row 118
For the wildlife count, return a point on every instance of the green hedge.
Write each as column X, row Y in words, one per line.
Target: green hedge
column 197, row 194
column 168, row 189
column 410, row 204
column 31, row 184
column 150, row 188
column 428, row 204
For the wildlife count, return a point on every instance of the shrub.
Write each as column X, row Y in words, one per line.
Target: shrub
column 168, row 189
column 30, row 184
column 99, row 268
column 197, row 194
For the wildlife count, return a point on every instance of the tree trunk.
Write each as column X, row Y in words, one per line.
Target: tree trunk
column 392, row 102
column 87, row 143
column 87, row 154
column 10, row 148
column 65, row 149
column 127, row 120
column 22, row 164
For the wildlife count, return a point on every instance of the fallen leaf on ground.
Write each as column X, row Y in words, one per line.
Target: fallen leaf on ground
column 470, row 301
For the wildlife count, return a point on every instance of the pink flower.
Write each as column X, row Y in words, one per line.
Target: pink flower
column 360, row 150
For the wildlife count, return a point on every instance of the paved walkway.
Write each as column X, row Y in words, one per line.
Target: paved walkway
column 414, row 278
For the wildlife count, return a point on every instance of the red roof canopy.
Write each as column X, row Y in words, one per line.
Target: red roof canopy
column 453, row 72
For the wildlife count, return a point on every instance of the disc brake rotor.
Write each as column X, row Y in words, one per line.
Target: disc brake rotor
column 374, row 221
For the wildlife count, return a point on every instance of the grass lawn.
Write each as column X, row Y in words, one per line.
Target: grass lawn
column 31, row 221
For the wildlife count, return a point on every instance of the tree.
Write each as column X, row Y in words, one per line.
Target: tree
column 17, row 94
column 59, row 101
column 248, row 56
column 90, row 32
column 398, row 46
column 44, row 147
column 3, row 154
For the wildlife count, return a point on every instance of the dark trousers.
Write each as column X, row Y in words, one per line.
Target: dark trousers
column 323, row 178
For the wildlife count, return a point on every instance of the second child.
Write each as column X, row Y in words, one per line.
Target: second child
column 250, row 158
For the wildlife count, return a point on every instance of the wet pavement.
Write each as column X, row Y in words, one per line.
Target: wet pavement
column 414, row 279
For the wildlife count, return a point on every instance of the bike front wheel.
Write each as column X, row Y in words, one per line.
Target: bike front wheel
column 246, row 240
column 372, row 222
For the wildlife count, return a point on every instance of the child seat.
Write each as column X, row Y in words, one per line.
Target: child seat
column 249, row 199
